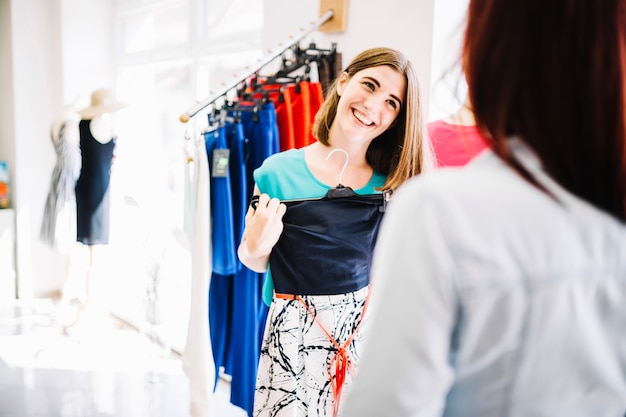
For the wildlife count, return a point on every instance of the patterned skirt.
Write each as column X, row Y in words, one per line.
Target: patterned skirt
column 299, row 364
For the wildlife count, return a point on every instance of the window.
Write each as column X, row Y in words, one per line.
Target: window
column 169, row 54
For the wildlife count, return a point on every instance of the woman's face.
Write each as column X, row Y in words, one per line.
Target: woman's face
column 369, row 102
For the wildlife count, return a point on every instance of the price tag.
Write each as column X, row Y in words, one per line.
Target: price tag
column 220, row 162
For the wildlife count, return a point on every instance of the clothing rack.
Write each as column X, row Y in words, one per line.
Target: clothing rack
column 185, row 117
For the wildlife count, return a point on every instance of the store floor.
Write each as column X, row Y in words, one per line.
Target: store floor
column 99, row 367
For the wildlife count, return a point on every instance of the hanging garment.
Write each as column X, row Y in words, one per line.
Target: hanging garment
column 296, row 128
column 92, row 188
column 326, row 244
column 224, row 258
column 236, row 311
column 197, row 357
column 306, row 98
column 225, row 313
column 316, row 96
column 284, row 116
column 301, row 103
column 261, row 130
column 263, row 91
column 223, row 241
column 285, row 176
column 455, row 145
column 248, row 310
column 329, row 67
column 262, row 145
column 58, row 226
column 237, row 144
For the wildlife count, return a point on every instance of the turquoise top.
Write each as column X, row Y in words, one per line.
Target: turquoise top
column 286, row 176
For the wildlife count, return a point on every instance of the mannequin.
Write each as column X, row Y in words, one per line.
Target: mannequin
column 97, row 145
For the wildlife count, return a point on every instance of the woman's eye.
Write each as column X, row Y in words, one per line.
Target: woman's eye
column 369, row 85
column 393, row 104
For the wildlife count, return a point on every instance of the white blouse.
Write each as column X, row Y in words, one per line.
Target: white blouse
column 493, row 299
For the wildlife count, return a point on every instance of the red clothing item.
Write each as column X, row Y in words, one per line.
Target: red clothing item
column 301, row 110
column 317, row 99
column 455, row 145
column 306, row 99
column 284, row 117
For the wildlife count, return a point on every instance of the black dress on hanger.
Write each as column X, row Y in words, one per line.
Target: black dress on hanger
column 326, row 244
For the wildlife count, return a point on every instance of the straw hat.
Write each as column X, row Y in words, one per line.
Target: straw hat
column 102, row 101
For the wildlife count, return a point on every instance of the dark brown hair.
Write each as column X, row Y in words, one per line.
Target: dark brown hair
column 553, row 73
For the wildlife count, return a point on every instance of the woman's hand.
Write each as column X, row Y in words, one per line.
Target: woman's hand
column 263, row 228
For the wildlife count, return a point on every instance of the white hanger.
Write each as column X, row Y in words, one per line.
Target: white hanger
column 345, row 165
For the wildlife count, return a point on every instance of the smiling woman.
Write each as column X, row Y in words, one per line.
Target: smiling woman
column 372, row 113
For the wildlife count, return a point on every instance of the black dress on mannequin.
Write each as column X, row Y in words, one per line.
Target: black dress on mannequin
column 92, row 188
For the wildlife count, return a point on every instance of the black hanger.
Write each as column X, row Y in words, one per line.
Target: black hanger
column 340, row 191
column 214, row 120
column 298, row 60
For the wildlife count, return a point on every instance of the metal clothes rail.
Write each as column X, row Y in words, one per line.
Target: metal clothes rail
column 185, row 117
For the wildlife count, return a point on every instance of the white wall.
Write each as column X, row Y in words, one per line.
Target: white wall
column 7, row 144
column 405, row 25
column 7, row 152
column 86, row 48
column 34, row 77
column 448, row 87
